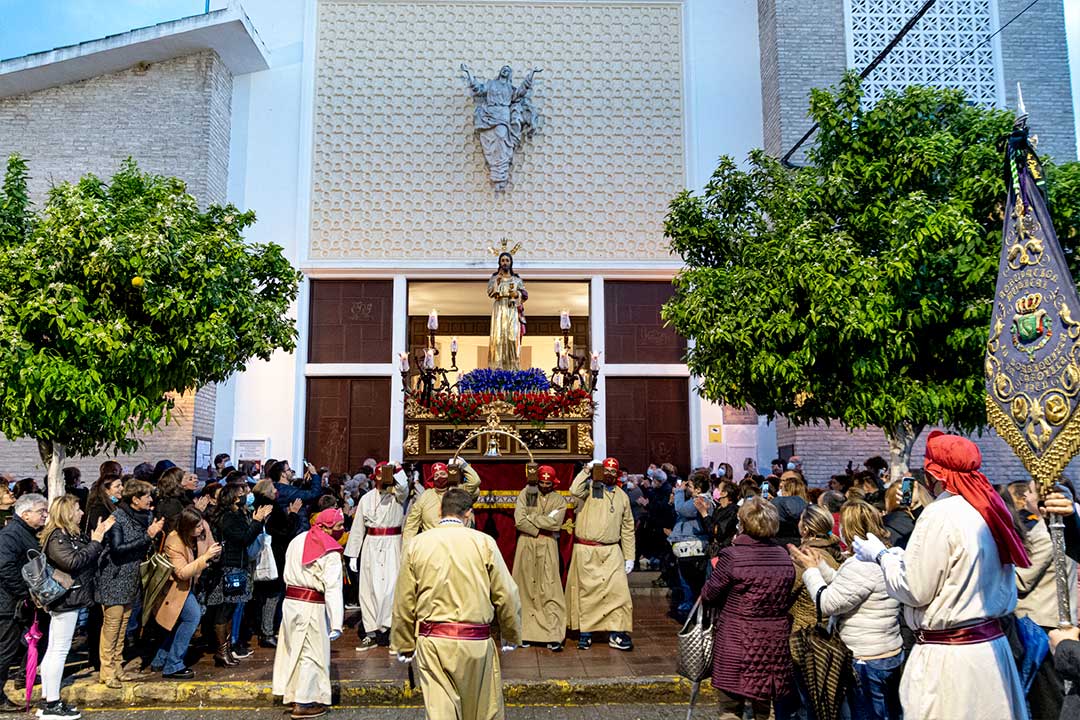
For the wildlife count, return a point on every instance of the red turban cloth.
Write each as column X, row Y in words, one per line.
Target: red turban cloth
column 319, row 541
column 611, row 464
column 546, row 472
column 955, row 461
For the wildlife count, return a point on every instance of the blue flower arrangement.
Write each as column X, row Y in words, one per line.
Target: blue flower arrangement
column 488, row 380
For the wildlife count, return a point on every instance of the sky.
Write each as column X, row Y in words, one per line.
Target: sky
column 29, row 26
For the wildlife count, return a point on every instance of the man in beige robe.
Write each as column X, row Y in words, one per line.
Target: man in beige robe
column 538, row 515
column 425, row 513
column 311, row 616
column 597, row 591
column 453, row 583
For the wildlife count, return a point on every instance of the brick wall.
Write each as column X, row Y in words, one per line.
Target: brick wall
column 1034, row 53
column 802, row 47
column 173, row 118
column 825, row 451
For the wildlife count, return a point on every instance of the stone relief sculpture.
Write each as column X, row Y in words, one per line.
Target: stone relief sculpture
column 503, row 118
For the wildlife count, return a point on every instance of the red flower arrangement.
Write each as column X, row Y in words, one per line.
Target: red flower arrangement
column 537, row 407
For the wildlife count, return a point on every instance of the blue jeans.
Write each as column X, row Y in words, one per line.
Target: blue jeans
column 876, row 692
column 237, row 621
column 170, row 658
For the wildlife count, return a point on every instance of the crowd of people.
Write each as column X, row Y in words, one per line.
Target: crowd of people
column 935, row 587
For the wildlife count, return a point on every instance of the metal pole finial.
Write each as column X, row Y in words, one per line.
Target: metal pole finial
column 1020, row 107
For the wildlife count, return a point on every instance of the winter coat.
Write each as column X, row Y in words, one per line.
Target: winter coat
column 790, row 509
column 16, row 539
column 170, row 509
column 855, row 594
column 688, row 522
column 96, row 511
column 236, row 530
column 900, row 524
column 77, row 556
column 286, row 493
column 804, row 610
column 187, row 567
column 1067, row 664
column 282, row 526
column 750, row 588
column 721, row 524
column 126, row 547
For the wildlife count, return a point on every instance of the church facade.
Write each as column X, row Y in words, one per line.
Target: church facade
column 349, row 128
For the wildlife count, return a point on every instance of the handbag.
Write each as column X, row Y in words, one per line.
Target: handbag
column 234, row 583
column 695, row 645
column 154, row 574
column 688, row 548
column 824, row 662
column 44, row 588
column 265, row 564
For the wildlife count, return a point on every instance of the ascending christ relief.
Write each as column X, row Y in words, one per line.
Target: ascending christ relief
column 503, row 118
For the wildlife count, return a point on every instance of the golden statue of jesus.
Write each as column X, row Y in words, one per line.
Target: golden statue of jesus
column 508, row 293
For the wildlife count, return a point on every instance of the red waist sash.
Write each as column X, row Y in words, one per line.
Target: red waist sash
column 591, row 543
column 304, row 595
column 376, row 531
column 972, row 634
column 455, row 630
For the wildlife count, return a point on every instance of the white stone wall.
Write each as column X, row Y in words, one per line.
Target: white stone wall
column 398, row 172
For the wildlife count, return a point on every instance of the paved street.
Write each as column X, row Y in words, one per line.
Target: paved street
column 586, row 712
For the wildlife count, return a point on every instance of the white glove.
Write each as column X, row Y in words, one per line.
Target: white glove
column 868, row 550
column 353, row 562
column 553, row 514
column 404, row 659
column 456, row 461
column 400, row 478
column 334, row 635
column 629, row 566
column 508, row 648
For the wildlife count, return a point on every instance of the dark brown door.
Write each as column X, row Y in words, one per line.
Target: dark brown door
column 648, row 421
column 348, row 420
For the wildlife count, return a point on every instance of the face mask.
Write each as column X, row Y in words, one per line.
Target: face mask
column 349, row 501
column 250, row 500
column 114, row 499
column 791, row 466
column 336, row 533
column 716, row 495
column 441, row 482
column 630, row 485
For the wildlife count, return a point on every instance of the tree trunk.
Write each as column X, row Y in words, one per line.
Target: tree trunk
column 52, row 454
column 901, row 439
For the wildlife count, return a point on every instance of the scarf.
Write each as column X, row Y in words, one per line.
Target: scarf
column 319, row 542
column 955, row 461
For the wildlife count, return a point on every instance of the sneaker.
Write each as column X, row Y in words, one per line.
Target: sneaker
column 268, row 641
column 555, row 647
column 584, row 641
column 181, row 674
column 242, row 650
column 525, row 644
column 367, row 643
column 620, row 641
column 58, row 711
column 352, row 606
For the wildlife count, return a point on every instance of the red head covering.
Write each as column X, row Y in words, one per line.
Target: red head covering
column 546, row 472
column 611, row 464
column 955, row 461
column 437, row 469
column 319, row 542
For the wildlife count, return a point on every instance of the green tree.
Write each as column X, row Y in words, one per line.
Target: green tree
column 856, row 288
column 116, row 296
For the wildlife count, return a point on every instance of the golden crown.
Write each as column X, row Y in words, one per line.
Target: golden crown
column 504, row 247
column 1028, row 303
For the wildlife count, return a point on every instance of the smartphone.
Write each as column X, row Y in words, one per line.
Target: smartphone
column 765, row 489
column 907, row 488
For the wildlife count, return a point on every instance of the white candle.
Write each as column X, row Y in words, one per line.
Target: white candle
column 558, row 346
column 594, row 364
column 557, row 380
column 564, row 320
column 429, row 359
column 563, row 364
column 404, row 357
column 433, row 320
column 453, row 345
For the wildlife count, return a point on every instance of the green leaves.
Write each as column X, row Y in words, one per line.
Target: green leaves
column 115, row 296
column 858, row 287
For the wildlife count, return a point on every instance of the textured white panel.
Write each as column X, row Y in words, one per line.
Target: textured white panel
column 398, row 172
column 939, row 50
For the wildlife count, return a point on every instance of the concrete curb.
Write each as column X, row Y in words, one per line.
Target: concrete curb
column 382, row 693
